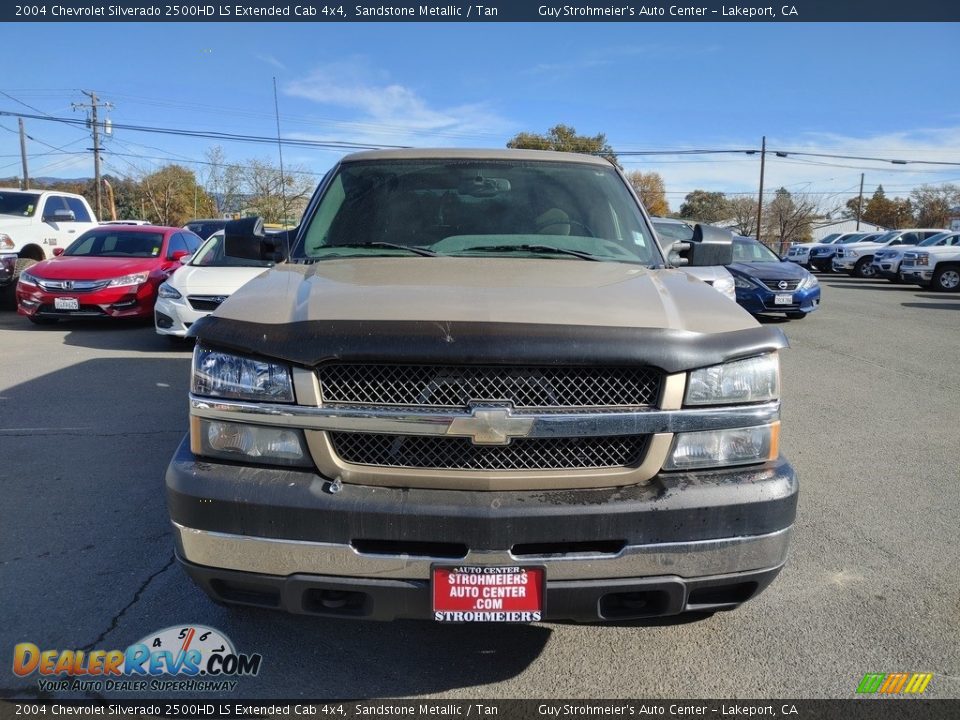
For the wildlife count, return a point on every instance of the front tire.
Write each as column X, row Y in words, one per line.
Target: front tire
column 947, row 279
column 864, row 269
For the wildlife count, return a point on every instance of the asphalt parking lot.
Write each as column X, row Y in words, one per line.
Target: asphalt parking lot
column 90, row 414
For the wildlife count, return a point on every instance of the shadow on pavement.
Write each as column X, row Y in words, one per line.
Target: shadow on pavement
column 934, row 306
column 86, row 558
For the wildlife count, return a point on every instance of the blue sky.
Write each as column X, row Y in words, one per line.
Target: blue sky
column 872, row 89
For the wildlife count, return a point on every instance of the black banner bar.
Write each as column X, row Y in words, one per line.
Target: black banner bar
column 876, row 708
column 620, row 11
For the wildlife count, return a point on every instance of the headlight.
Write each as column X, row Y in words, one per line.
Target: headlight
column 27, row 279
column 810, row 281
column 715, row 448
column 724, row 286
column 165, row 291
column 922, row 259
column 250, row 443
column 742, row 282
column 134, row 279
column 755, row 379
column 220, row 374
column 6, row 242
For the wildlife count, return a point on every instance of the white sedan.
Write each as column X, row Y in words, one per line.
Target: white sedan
column 197, row 289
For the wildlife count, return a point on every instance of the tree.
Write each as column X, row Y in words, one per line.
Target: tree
column 743, row 212
column 788, row 218
column 224, row 182
column 881, row 210
column 276, row 198
column 565, row 139
column 705, row 206
column 932, row 204
column 172, row 196
column 649, row 186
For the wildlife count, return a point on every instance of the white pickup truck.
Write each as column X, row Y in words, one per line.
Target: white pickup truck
column 936, row 267
column 34, row 222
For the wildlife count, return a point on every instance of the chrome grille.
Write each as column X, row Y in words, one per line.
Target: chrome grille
column 459, row 386
column 458, row 453
column 72, row 286
column 775, row 285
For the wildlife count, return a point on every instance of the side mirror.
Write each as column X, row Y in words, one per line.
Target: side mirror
column 709, row 246
column 245, row 240
column 60, row 215
column 57, row 251
column 186, row 259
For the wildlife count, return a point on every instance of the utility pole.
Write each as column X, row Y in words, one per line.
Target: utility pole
column 94, row 105
column 860, row 202
column 23, row 156
column 763, row 159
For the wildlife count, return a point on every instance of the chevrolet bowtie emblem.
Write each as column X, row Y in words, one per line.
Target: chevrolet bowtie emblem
column 491, row 426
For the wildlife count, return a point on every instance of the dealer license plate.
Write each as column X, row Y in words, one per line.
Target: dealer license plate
column 488, row 594
column 786, row 299
column 62, row 303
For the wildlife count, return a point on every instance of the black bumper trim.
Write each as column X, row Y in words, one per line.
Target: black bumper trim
column 579, row 600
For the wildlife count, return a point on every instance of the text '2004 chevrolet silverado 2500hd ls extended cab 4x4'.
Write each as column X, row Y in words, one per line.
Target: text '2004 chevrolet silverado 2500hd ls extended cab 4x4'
column 476, row 391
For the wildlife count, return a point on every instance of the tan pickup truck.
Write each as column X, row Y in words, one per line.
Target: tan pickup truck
column 475, row 389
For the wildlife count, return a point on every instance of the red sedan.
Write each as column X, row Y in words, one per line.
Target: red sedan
column 109, row 271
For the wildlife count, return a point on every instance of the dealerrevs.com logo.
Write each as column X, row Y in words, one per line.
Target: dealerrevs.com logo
column 188, row 658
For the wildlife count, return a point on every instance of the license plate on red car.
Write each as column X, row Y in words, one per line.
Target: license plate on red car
column 488, row 594
column 786, row 299
column 64, row 303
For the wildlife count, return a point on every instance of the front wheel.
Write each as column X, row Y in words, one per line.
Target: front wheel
column 947, row 279
column 864, row 268
column 796, row 315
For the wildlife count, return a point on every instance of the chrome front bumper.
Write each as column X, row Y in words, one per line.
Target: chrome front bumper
column 278, row 557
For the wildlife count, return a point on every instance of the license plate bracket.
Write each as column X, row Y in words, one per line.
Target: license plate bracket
column 783, row 299
column 475, row 593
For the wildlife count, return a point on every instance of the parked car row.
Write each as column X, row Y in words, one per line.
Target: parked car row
column 895, row 255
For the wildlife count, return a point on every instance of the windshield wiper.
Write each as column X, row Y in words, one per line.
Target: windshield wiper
column 536, row 249
column 393, row 246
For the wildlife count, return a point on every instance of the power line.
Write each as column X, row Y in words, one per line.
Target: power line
column 215, row 135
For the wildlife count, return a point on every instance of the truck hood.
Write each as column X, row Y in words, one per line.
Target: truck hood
column 510, row 290
column 863, row 246
column 484, row 311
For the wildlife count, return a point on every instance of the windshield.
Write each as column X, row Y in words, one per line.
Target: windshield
column 461, row 207
column 205, row 228
column 886, row 237
column 116, row 243
column 829, row 238
column 674, row 230
column 856, row 237
column 878, row 237
column 211, row 254
column 944, row 238
column 20, row 204
column 751, row 251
